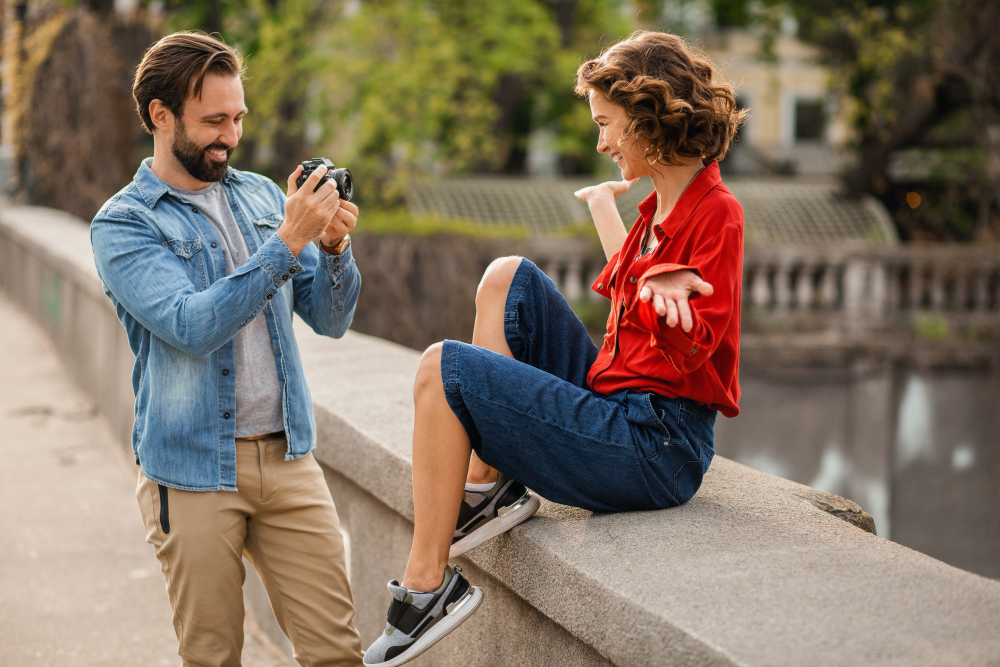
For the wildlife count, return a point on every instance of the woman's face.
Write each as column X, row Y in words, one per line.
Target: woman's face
column 627, row 153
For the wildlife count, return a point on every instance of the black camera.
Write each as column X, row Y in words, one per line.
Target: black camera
column 340, row 177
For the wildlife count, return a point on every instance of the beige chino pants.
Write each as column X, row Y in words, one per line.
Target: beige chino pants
column 284, row 521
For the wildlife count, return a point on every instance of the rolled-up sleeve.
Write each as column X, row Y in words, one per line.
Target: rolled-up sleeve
column 326, row 293
column 717, row 260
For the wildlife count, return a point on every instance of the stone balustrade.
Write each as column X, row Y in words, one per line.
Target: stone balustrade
column 845, row 288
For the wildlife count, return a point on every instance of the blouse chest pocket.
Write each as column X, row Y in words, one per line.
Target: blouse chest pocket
column 192, row 259
column 268, row 224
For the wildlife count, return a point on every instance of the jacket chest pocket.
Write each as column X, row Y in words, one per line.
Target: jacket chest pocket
column 267, row 225
column 192, row 259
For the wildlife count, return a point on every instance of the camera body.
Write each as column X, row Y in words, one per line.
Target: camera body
column 341, row 177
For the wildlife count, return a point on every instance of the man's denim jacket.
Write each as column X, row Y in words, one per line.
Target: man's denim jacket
column 162, row 266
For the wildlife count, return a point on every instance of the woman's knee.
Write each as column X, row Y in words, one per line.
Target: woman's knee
column 429, row 371
column 496, row 281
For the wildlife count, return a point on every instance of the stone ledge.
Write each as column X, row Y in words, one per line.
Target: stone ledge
column 755, row 570
column 750, row 572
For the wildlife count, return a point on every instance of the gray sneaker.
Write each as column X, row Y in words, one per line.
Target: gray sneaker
column 416, row 621
column 483, row 516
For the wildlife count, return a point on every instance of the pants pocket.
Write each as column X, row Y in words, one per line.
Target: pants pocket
column 164, row 509
column 656, row 426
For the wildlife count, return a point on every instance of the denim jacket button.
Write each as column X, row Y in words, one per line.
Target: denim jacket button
column 225, row 371
column 214, row 244
column 194, row 210
column 226, row 415
column 284, row 277
column 268, row 297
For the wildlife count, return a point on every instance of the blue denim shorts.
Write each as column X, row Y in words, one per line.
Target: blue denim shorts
column 534, row 417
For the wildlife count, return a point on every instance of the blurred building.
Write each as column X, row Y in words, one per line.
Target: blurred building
column 795, row 125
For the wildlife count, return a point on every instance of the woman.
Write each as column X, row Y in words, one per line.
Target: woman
column 626, row 427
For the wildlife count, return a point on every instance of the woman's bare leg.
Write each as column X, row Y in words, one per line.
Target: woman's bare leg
column 491, row 299
column 441, row 449
column 440, row 464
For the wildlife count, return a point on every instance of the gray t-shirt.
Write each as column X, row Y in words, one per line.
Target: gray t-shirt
column 258, row 389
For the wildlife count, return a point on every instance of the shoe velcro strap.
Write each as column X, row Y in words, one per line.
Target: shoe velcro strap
column 404, row 616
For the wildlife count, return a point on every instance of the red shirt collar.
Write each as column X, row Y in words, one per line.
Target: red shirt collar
column 706, row 179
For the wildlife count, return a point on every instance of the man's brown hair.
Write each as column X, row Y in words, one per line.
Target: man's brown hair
column 168, row 66
column 669, row 96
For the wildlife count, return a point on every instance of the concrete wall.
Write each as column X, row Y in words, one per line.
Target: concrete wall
column 756, row 570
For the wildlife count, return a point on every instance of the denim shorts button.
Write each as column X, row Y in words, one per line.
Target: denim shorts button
column 337, row 286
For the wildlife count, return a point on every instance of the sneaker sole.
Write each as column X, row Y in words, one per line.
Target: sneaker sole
column 524, row 508
column 461, row 610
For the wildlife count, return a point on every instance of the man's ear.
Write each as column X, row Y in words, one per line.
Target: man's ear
column 162, row 117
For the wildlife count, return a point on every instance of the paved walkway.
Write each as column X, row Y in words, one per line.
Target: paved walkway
column 78, row 583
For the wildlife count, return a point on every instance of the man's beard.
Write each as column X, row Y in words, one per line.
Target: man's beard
column 195, row 158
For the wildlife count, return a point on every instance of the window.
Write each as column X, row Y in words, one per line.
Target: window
column 810, row 120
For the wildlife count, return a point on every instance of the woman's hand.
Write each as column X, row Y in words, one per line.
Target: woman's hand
column 600, row 200
column 669, row 293
column 606, row 190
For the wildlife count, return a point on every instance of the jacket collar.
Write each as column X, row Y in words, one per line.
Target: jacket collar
column 706, row 179
column 152, row 188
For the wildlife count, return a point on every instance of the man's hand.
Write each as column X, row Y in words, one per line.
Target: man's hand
column 670, row 292
column 343, row 222
column 309, row 212
column 607, row 190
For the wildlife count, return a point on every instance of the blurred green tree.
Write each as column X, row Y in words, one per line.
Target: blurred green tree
column 398, row 89
column 922, row 78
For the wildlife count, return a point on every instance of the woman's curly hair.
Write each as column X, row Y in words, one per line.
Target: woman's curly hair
column 670, row 100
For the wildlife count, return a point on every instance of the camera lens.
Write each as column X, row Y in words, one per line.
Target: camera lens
column 345, row 184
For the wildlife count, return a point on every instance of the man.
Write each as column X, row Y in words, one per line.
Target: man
column 205, row 265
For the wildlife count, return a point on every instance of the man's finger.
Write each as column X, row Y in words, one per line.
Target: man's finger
column 645, row 293
column 331, row 205
column 292, row 188
column 349, row 206
column 685, row 312
column 345, row 216
column 313, row 180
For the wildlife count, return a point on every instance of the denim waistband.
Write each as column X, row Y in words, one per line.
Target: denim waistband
column 692, row 406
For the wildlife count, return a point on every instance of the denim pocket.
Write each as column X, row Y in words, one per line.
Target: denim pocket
column 655, row 427
column 267, row 225
column 189, row 252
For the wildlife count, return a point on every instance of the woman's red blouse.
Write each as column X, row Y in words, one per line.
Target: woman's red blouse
column 704, row 233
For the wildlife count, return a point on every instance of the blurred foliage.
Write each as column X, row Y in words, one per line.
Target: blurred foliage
column 399, row 90
column 399, row 220
column 917, row 74
column 67, row 74
column 402, row 89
